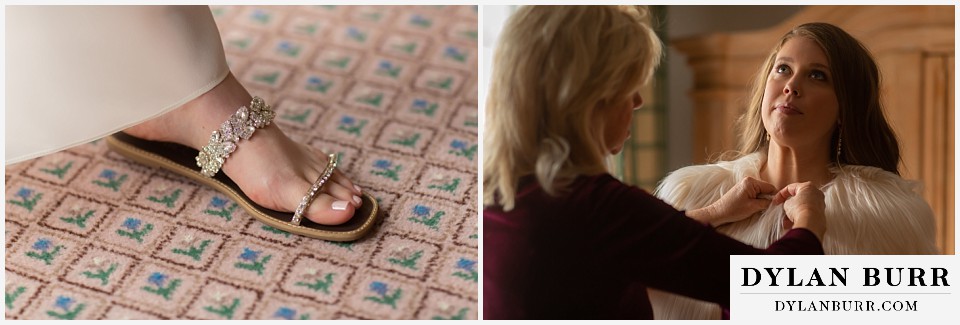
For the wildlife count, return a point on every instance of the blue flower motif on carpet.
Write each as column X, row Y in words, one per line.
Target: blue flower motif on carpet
column 41, row 251
column 28, row 199
column 385, row 168
column 422, row 216
column 285, row 313
column 455, row 54
column 289, row 49
column 388, row 69
column 250, row 260
column 160, row 286
column 42, row 244
column 66, row 309
column 219, row 207
column 108, row 179
column 356, row 34
column 157, row 279
column 131, row 229
column 383, row 295
column 351, row 125
column 466, row 269
column 422, row 106
column 317, row 84
column 420, row 21
column 462, row 149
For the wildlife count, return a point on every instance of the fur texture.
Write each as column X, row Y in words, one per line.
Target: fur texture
column 869, row 212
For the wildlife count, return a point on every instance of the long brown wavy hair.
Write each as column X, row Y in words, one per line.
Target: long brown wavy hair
column 867, row 138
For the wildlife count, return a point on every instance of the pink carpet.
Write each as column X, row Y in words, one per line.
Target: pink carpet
column 92, row 235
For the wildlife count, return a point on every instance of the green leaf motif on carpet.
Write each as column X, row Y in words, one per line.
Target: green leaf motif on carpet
column 101, row 274
column 410, row 141
column 10, row 297
column 58, row 170
column 441, row 83
column 224, row 310
column 318, row 284
column 269, row 78
column 80, row 221
column 370, row 99
column 447, row 187
column 297, row 117
column 409, row 262
column 193, row 251
column 339, row 63
column 461, row 315
column 167, row 200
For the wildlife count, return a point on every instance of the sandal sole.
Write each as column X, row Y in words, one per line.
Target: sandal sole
column 181, row 159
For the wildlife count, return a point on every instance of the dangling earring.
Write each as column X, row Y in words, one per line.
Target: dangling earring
column 839, row 145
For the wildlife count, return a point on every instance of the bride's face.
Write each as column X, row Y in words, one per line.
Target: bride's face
column 800, row 106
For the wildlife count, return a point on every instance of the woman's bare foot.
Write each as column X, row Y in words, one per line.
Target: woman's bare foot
column 270, row 168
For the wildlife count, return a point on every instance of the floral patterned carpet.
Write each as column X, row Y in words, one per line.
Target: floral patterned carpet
column 393, row 90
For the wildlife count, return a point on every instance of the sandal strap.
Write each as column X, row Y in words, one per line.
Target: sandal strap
column 240, row 125
column 312, row 194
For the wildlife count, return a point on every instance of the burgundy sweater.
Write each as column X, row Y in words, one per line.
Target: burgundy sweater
column 592, row 253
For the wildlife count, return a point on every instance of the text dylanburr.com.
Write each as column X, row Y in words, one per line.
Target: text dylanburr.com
column 838, row 287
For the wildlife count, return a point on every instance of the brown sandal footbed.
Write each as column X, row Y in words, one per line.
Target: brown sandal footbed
column 181, row 159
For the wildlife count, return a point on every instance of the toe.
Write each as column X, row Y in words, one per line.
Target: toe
column 342, row 193
column 332, row 206
column 345, row 182
column 337, row 200
column 338, row 176
column 327, row 210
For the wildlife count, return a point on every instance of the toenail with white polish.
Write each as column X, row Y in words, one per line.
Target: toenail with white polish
column 340, row 205
column 358, row 189
column 357, row 200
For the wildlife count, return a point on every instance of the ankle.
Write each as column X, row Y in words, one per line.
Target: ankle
column 208, row 111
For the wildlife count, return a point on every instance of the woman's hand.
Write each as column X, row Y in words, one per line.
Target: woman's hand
column 749, row 196
column 805, row 207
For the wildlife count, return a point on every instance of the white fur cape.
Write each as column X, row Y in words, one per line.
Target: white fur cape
column 869, row 211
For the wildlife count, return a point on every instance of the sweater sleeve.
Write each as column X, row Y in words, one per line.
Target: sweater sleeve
column 668, row 251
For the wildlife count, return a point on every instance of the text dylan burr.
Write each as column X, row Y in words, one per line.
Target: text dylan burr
column 887, row 276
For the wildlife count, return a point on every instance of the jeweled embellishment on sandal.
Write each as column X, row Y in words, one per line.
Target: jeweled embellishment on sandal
column 312, row 193
column 240, row 125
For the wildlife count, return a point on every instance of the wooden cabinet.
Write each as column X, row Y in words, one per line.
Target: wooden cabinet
column 914, row 46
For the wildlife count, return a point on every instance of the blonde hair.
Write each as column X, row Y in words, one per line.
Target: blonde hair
column 553, row 68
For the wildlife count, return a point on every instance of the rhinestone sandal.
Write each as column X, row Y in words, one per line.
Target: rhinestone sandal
column 183, row 160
